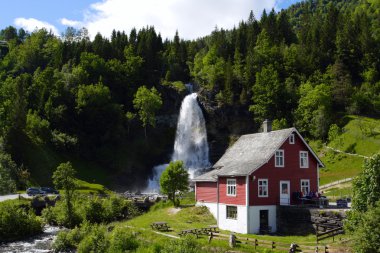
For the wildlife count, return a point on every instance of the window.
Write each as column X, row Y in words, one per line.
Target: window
column 304, row 159
column 231, row 212
column 263, row 187
column 305, row 186
column 291, row 139
column 231, row 187
column 279, row 158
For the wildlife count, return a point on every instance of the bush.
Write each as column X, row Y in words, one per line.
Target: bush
column 94, row 241
column 122, row 240
column 68, row 240
column 17, row 222
column 188, row 245
column 94, row 210
column 367, row 232
column 58, row 215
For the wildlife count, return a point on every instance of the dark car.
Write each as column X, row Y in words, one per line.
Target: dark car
column 34, row 191
column 49, row 190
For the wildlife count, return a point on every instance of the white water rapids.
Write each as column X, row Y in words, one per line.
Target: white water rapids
column 190, row 144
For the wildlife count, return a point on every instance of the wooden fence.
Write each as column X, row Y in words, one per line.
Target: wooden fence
column 294, row 247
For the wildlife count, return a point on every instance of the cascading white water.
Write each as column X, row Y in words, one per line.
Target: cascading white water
column 190, row 144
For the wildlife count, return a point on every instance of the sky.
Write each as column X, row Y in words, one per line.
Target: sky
column 192, row 18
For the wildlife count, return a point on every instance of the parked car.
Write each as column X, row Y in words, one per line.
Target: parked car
column 34, row 191
column 49, row 190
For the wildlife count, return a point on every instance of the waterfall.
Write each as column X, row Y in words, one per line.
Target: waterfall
column 190, row 145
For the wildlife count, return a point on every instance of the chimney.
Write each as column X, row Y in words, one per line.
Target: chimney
column 267, row 126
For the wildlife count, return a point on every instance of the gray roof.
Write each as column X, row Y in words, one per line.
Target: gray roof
column 249, row 153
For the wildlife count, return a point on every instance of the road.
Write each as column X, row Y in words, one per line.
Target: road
column 12, row 196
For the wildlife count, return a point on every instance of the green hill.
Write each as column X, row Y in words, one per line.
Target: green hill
column 359, row 138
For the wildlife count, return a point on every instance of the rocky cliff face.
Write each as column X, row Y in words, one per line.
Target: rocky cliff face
column 225, row 124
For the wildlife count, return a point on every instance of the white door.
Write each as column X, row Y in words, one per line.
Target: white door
column 284, row 193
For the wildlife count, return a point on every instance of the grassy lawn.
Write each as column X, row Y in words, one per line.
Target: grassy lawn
column 191, row 217
column 339, row 191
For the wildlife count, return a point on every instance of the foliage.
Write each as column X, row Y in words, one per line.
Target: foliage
column 187, row 245
column 366, row 233
column 17, row 222
column 7, row 167
column 94, row 241
column 334, row 132
column 90, row 209
column 147, row 102
column 174, row 179
column 310, row 64
column 279, row 124
column 367, row 185
column 122, row 240
column 69, row 239
column 64, row 178
column 314, row 109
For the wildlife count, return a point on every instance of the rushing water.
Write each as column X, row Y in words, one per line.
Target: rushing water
column 190, row 144
column 39, row 243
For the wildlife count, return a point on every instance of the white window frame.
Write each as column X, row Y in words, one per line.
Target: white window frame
column 291, row 139
column 231, row 217
column 277, row 155
column 304, row 156
column 231, row 187
column 303, row 186
column 265, row 185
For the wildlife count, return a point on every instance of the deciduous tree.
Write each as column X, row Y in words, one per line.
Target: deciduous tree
column 174, row 178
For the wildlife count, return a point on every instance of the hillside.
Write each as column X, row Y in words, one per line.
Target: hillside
column 72, row 98
column 359, row 136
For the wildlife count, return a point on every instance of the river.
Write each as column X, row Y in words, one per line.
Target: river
column 39, row 243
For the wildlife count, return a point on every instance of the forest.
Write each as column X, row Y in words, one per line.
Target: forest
column 109, row 105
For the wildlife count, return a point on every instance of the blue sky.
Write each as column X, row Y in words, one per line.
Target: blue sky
column 192, row 18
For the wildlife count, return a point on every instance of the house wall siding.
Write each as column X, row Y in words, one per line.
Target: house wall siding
column 239, row 199
column 206, row 192
column 290, row 172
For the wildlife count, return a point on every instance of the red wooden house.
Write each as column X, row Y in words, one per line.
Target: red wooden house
column 255, row 175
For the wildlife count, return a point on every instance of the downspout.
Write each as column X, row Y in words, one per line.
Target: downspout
column 317, row 177
column 217, row 201
column 247, row 200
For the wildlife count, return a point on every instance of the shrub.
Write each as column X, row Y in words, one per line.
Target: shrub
column 68, row 240
column 58, row 215
column 17, row 222
column 122, row 240
column 93, row 210
column 94, row 241
column 188, row 245
column 367, row 232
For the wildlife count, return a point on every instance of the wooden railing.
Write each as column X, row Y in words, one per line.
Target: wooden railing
column 281, row 246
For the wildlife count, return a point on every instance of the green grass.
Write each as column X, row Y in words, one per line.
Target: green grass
column 85, row 187
column 360, row 135
column 198, row 217
column 339, row 191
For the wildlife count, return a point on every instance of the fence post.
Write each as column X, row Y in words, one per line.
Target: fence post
column 232, row 240
column 326, row 251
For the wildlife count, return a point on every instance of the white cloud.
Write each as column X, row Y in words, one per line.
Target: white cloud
column 73, row 23
column 192, row 19
column 31, row 24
